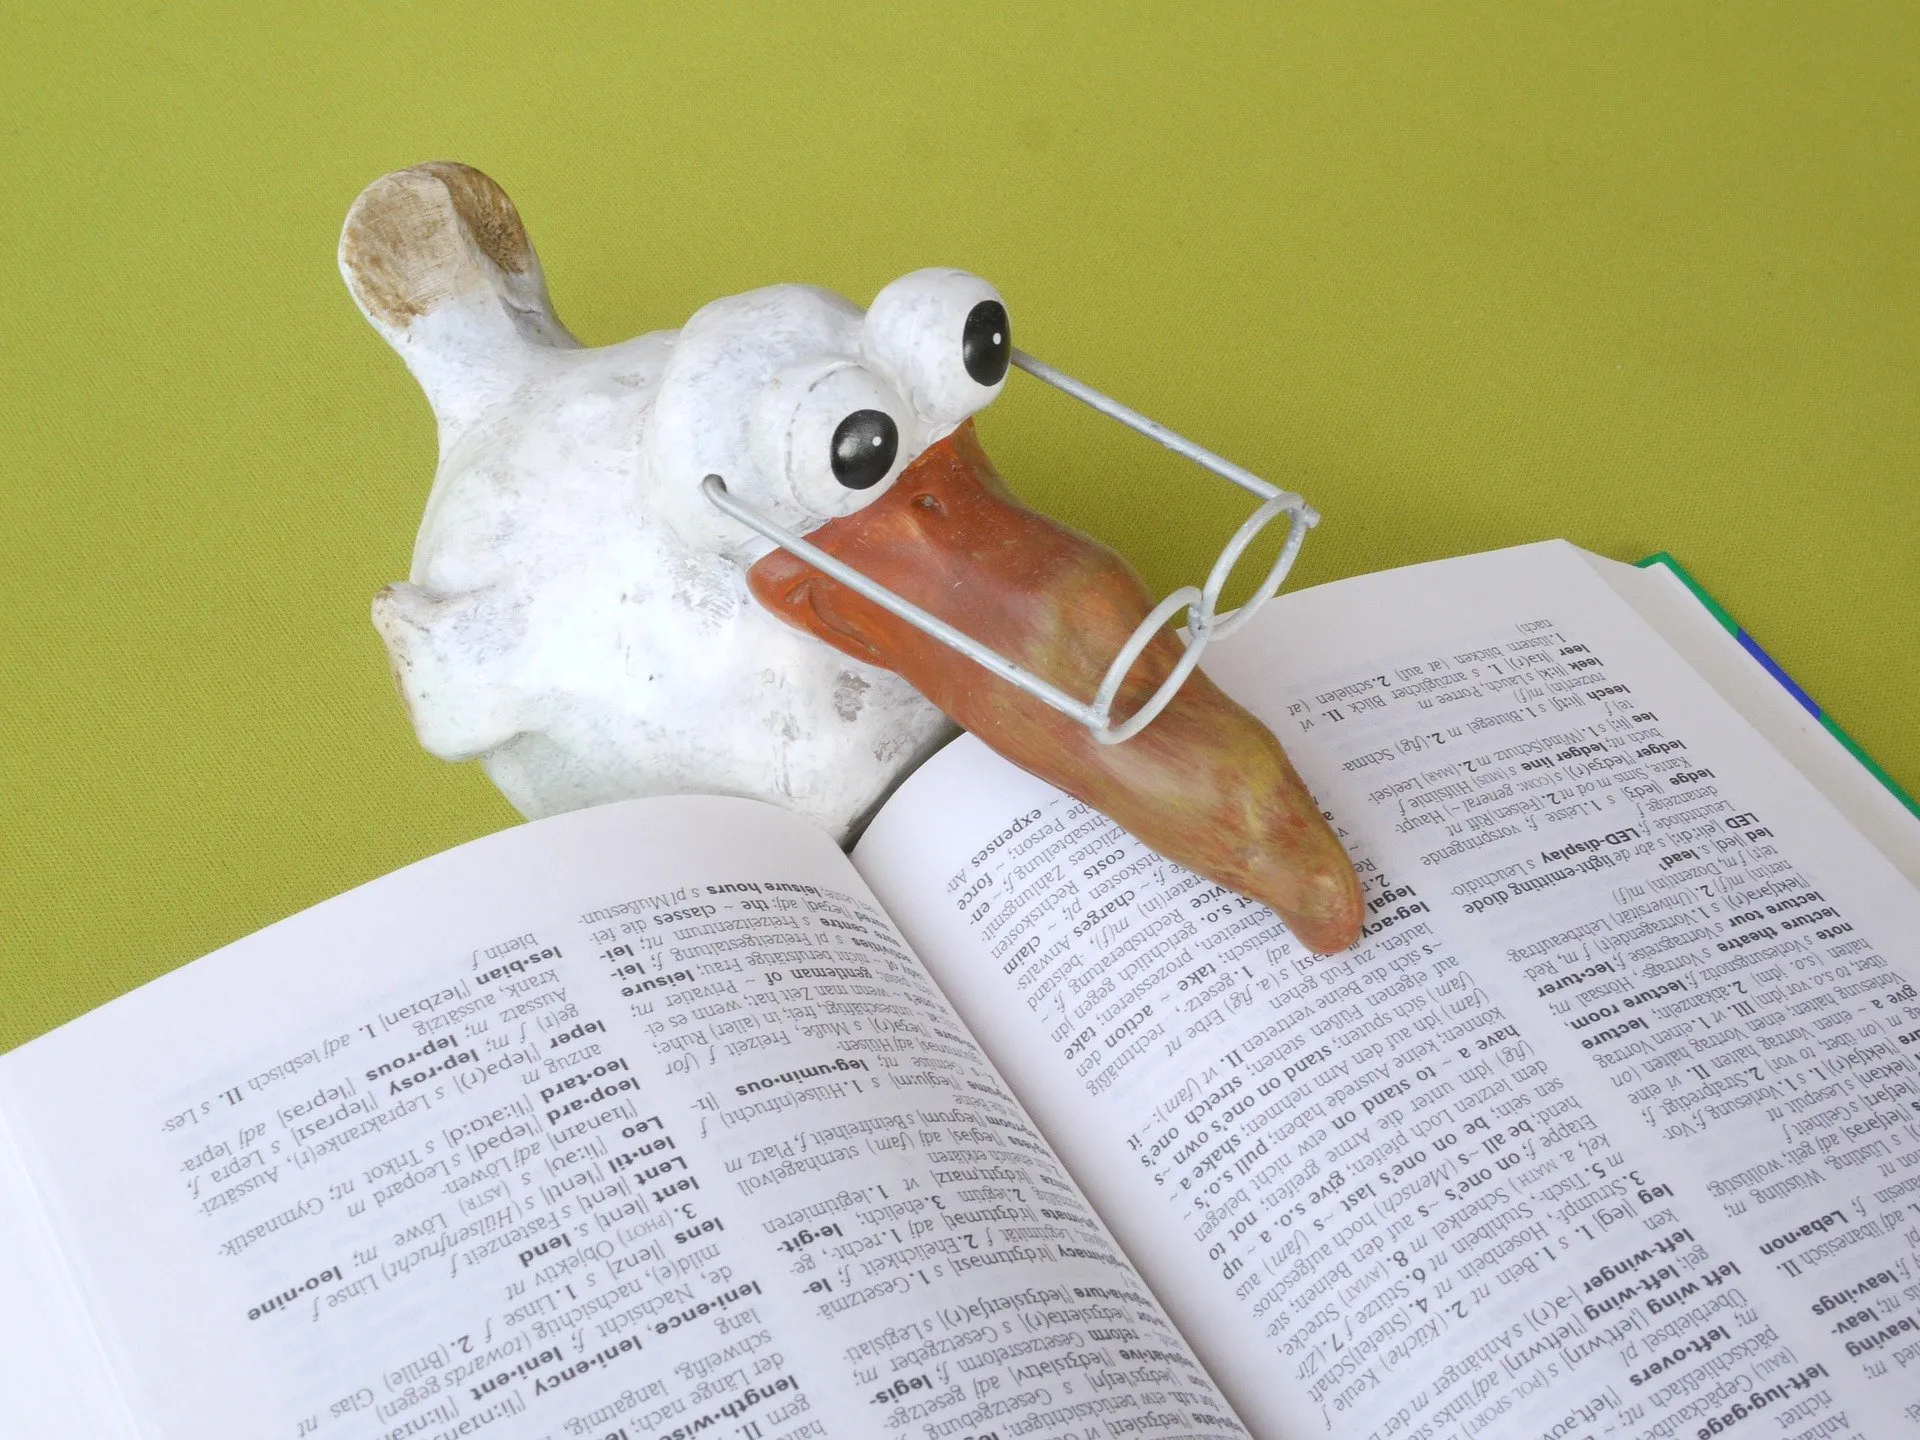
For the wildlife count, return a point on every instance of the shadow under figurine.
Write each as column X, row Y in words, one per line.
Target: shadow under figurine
column 583, row 618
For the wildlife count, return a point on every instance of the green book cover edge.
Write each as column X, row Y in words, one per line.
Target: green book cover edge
column 1718, row 611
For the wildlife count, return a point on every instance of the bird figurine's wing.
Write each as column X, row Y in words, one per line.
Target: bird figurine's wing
column 439, row 263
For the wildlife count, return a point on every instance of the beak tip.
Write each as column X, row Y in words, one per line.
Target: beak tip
column 1328, row 939
column 1327, row 919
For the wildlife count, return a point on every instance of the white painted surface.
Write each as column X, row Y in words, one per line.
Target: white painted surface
column 577, row 614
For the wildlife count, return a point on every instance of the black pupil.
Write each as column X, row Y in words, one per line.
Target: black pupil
column 864, row 445
column 986, row 345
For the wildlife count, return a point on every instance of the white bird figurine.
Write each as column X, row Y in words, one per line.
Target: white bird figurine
column 582, row 618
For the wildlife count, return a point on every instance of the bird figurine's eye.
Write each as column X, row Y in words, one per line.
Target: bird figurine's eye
column 986, row 344
column 942, row 337
column 829, row 434
column 864, row 447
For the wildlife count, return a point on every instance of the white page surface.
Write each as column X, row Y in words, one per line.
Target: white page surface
column 1660, row 598
column 1539, row 792
column 635, row 1121
column 54, row 1377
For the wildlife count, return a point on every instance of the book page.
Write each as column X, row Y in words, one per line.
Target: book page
column 635, row 1122
column 1607, row 1125
column 55, row 1382
column 1683, row 622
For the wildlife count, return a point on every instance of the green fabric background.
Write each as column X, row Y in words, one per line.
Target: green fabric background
column 1640, row 275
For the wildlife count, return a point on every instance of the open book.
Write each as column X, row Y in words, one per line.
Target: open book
column 667, row 1119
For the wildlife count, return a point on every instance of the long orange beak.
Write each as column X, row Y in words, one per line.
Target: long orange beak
column 1205, row 784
